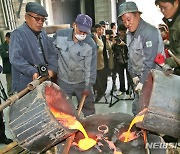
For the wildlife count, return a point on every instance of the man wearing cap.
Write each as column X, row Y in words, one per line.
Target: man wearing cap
column 144, row 42
column 30, row 49
column 77, row 60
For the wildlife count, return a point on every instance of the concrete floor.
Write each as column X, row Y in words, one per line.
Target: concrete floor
column 102, row 107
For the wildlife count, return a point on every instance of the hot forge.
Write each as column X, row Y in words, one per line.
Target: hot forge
column 111, row 133
column 107, row 130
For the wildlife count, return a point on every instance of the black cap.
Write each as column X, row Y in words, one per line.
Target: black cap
column 36, row 8
column 103, row 23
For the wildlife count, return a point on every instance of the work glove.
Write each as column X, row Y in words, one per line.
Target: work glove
column 86, row 92
column 135, row 80
column 139, row 87
column 159, row 59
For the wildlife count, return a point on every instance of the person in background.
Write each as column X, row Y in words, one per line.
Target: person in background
column 3, row 139
column 104, row 25
column 31, row 51
column 109, row 44
column 171, row 11
column 144, row 42
column 77, row 61
column 101, row 80
column 114, row 28
column 4, row 52
column 164, row 33
column 165, row 36
column 120, row 51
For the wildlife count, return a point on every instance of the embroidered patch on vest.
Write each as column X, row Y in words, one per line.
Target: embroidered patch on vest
column 148, row 44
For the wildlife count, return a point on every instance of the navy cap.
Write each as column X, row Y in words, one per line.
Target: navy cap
column 84, row 23
column 127, row 7
column 103, row 23
column 36, row 8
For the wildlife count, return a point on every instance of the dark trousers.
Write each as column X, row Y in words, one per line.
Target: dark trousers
column 2, row 126
column 119, row 68
column 77, row 90
column 101, row 82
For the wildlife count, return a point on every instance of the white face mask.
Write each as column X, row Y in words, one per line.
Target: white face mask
column 80, row 37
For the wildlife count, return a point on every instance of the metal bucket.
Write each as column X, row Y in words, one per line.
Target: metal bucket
column 161, row 96
column 32, row 123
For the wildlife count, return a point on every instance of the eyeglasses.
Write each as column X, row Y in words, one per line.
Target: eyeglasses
column 164, row 8
column 37, row 18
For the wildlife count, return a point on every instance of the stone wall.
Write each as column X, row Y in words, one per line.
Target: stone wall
column 105, row 10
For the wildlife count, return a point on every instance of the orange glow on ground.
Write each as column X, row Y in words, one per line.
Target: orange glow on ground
column 130, row 135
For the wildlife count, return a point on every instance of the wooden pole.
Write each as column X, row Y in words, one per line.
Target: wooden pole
column 32, row 85
column 177, row 60
column 8, row 147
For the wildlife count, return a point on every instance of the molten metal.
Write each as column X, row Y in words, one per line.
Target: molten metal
column 131, row 135
column 71, row 123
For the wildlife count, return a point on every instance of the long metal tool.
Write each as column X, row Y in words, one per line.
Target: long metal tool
column 70, row 139
column 32, row 85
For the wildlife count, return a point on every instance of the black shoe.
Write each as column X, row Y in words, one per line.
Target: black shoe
column 5, row 141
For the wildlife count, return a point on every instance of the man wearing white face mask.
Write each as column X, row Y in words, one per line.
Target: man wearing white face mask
column 77, row 61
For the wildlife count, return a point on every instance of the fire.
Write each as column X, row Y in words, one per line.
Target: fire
column 131, row 135
column 71, row 123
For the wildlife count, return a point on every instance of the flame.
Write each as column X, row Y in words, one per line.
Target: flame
column 129, row 135
column 69, row 121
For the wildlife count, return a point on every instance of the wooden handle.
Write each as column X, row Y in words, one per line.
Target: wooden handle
column 174, row 57
column 8, row 147
column 81, row 104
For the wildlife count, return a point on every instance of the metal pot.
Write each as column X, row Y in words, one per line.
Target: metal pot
column 32, row 123
column 161, row 96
